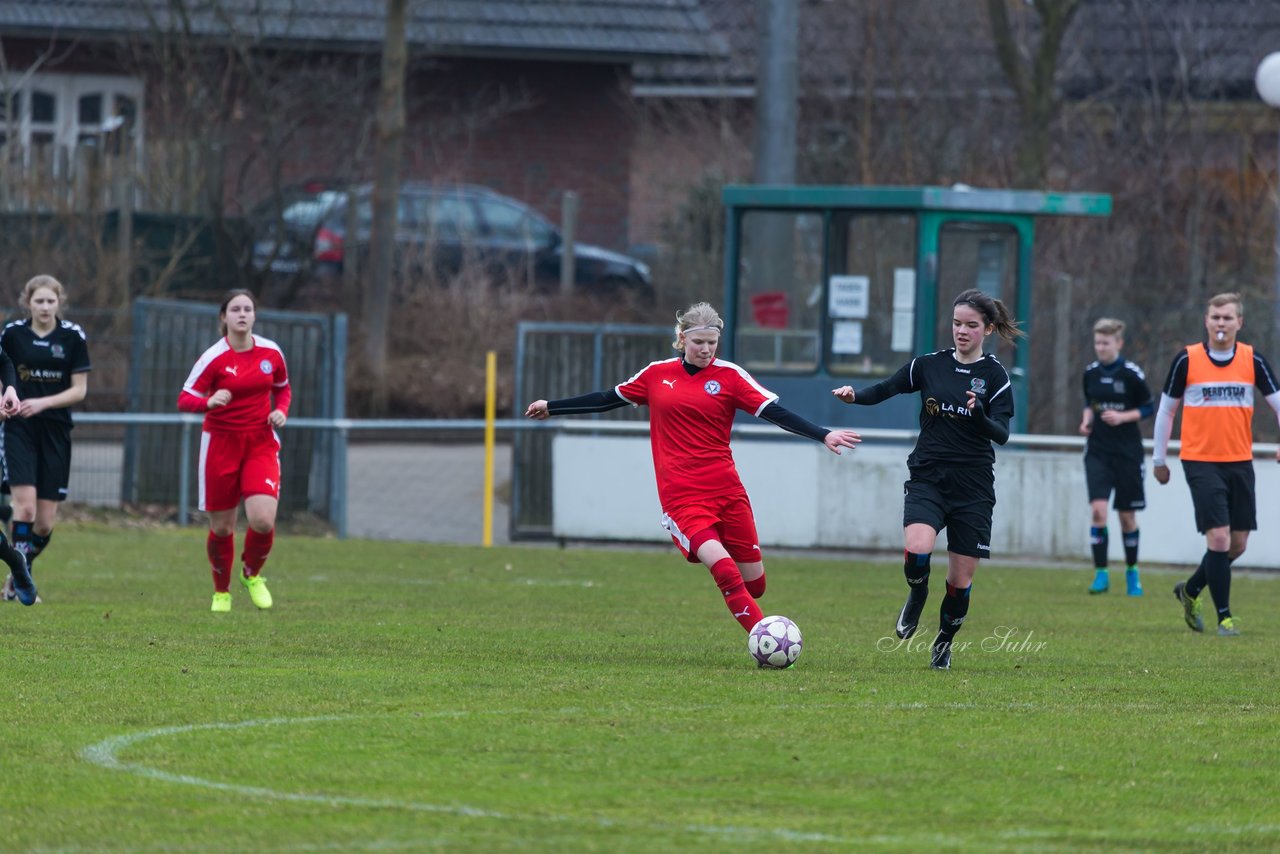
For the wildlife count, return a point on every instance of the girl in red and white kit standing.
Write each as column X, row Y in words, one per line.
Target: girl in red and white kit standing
column 241, row 385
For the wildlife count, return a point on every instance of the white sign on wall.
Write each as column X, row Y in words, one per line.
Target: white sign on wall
column 904, row 310
column 904, row 289
column 846, row 337
column 849, row 297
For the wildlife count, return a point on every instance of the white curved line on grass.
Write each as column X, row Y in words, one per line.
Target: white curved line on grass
column 105, row 754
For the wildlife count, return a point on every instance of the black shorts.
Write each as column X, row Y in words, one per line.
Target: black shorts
column 1107, row 473
column 38, row 453
column 962, row 500
column 1223, row 494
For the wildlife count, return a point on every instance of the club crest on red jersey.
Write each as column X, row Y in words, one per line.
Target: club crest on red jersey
column 265, row 365
column 712, row 387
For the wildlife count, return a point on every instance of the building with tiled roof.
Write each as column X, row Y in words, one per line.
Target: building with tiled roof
column 529, row 97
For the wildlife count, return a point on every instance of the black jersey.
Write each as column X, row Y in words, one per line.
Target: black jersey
column 949, row 434
column 45, row 364
column 1118, row 386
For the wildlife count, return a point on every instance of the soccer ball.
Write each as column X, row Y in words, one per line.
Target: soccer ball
column 775, row 642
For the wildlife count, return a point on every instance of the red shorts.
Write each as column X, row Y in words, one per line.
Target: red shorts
column 727, row 519
column 237, row 465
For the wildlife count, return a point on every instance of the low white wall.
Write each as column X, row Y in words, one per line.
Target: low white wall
column 806, row 497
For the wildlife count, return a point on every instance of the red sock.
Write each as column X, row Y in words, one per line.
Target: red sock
column 256, row 548
column 755, row 587
column 222, row 552
column 741, row 605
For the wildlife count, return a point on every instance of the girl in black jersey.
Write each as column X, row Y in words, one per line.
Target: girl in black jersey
column 52, row 364
column 18, row 585
column 966, row 404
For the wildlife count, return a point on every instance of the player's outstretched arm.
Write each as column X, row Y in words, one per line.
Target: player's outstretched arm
column 777, row 414
column 837, row 439
column 594, row 401
column 899, row 383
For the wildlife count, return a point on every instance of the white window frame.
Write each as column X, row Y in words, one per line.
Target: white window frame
column 67, row 89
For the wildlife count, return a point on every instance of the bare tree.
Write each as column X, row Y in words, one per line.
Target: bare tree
column 390, row 143
column 1029, row 57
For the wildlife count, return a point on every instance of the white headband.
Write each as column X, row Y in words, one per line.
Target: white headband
column 699, row 329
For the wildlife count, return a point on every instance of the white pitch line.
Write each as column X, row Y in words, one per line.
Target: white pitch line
column 105, row 754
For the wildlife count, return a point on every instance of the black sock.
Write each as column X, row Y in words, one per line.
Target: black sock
column 22, row 538
column 1131, row 547
column 38, row 543
column 952, row 612
column 1217, row 567
column 1198, row 579
column 916, row 568
column 1098, row 542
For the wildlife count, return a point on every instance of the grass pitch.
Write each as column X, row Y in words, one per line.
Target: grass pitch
column 413, row 697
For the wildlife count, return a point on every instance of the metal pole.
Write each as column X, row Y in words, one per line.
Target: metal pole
column 340, row 479
column 1275, row 293
column 184, row 476
column 568, row 238
column 490, row 413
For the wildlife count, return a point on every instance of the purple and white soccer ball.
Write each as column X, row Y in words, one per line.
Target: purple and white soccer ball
column 775, row 642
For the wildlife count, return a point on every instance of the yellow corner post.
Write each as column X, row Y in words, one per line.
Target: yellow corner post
column 490, row 410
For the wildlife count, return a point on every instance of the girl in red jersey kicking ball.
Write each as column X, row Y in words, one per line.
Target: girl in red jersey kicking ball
column 692, row 401
column 242, row 387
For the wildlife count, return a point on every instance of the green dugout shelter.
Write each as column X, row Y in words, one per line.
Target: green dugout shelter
column 832, row 285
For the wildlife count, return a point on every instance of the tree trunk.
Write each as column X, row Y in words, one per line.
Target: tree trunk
column 390, row 136
column 1032, row 79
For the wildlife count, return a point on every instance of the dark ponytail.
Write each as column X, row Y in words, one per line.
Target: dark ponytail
column 993, row 311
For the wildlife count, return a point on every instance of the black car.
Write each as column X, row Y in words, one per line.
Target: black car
column 442, row 231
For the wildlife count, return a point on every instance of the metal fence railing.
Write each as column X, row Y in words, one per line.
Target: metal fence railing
column 384, row 479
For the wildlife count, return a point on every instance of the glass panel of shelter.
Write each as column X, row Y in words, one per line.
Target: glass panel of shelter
column 977, row 255
column 780, row 291
column 871, row 293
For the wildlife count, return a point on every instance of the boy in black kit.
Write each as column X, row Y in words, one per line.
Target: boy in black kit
column 1116, row 398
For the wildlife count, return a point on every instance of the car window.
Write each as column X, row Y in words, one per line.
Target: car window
column 510, row 223
column 310, row 211
column 364, row 214
column 452, row 218
column 411, row 212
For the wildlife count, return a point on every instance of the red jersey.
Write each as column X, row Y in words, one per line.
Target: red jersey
column 253, row 377
column 690, row 417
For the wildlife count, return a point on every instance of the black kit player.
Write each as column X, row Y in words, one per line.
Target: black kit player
column 1116, row 398
column 52, row 365
column 966, row 404
column 24, row 589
